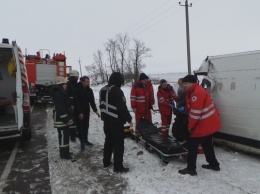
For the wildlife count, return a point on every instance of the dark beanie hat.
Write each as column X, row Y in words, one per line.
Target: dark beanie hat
column 190, row 79
column 116, row 78
column 143, row 76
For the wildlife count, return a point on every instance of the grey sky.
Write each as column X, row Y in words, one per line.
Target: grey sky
column 80, row 27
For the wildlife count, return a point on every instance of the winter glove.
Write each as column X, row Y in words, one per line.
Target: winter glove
column 172, row 106
column 181, row 109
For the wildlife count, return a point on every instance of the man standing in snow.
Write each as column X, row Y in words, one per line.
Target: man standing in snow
column 115, row 114
column 84, row 97
column 166, row 96
column 62, row 116
column 71, row 87
column 142, row 99
column 204, row 120
column 180, row 125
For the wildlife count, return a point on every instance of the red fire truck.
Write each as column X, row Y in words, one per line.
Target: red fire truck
column 42, row 70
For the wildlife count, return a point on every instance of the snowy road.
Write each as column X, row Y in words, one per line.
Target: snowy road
column 24, row 165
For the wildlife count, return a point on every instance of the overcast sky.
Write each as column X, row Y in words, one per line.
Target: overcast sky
column 80, row 27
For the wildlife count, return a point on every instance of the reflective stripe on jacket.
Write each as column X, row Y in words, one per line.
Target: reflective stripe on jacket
column 203, row 114
column 165, row 98
column 105, row 107
column 62, row 109
column 113, row 105
column 142, row 97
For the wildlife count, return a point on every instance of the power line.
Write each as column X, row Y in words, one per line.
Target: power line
column 161, row 19
column 158, row 22
column 162, row 13
column 149, row 14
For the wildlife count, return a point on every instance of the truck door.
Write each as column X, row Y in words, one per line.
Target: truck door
column 19, row 90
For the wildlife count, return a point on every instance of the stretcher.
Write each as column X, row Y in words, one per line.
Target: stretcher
column 165, row 147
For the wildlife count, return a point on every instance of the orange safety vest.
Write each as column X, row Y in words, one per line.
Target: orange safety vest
column 203, row 114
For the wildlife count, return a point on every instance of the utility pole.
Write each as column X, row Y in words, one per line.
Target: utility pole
column 187, row 33
column 80, row 67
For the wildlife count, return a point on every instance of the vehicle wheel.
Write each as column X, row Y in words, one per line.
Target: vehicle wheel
column 27, row 136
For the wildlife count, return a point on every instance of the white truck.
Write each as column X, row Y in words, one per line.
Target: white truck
column 15, row 109
column 233, row 81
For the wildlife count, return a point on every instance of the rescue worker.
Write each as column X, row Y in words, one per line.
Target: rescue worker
column 84, row 97
column 62, row 116
column 166, row 97
column 142, row 99
column 114, row 114
column 181, row 100
column 204, row 121
column 180, row 125
column 71, row 87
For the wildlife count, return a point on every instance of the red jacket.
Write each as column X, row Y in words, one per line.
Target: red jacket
column 142, row 98
column 203, row 114
column 165, row 98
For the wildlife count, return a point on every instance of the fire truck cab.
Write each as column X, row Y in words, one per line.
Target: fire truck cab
column 15, row 109
column 42, row 70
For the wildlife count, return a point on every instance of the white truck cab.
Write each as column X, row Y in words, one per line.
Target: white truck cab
column 15, row 109
column 233, row 80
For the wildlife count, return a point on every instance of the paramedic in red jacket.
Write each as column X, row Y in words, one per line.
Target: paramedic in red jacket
column 204, row 120
column 166, row 96
column 142, row 99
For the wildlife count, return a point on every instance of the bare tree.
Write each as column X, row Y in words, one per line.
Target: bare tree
column 137, row 54
column 98, row 70
column 93, row 72
column 98, row 61
column 120, row 58
column 129, row 64
column 111, row 50
column 122, row 43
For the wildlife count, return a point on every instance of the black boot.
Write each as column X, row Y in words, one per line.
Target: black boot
column 68, row 157
column 73, row 139
column 88, row 143
column 62, row 153
column 67, row 154
column 107, row 165
column 211, row 167
column 121, row 170
column 187, row 171
column 82, row 146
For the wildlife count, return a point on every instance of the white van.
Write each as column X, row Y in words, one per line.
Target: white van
column 15, row 109
column 233, row 81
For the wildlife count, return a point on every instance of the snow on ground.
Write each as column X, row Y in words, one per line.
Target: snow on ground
column 239, row 173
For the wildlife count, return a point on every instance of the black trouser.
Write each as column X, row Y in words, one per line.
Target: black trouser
column 83, row 126
column 114, row 142
column 180, row 127
column 207, row 145
column 72, row 128
column 64, row 134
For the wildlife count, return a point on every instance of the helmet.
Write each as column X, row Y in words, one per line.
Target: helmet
column 74, row 73
column 60, row 80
